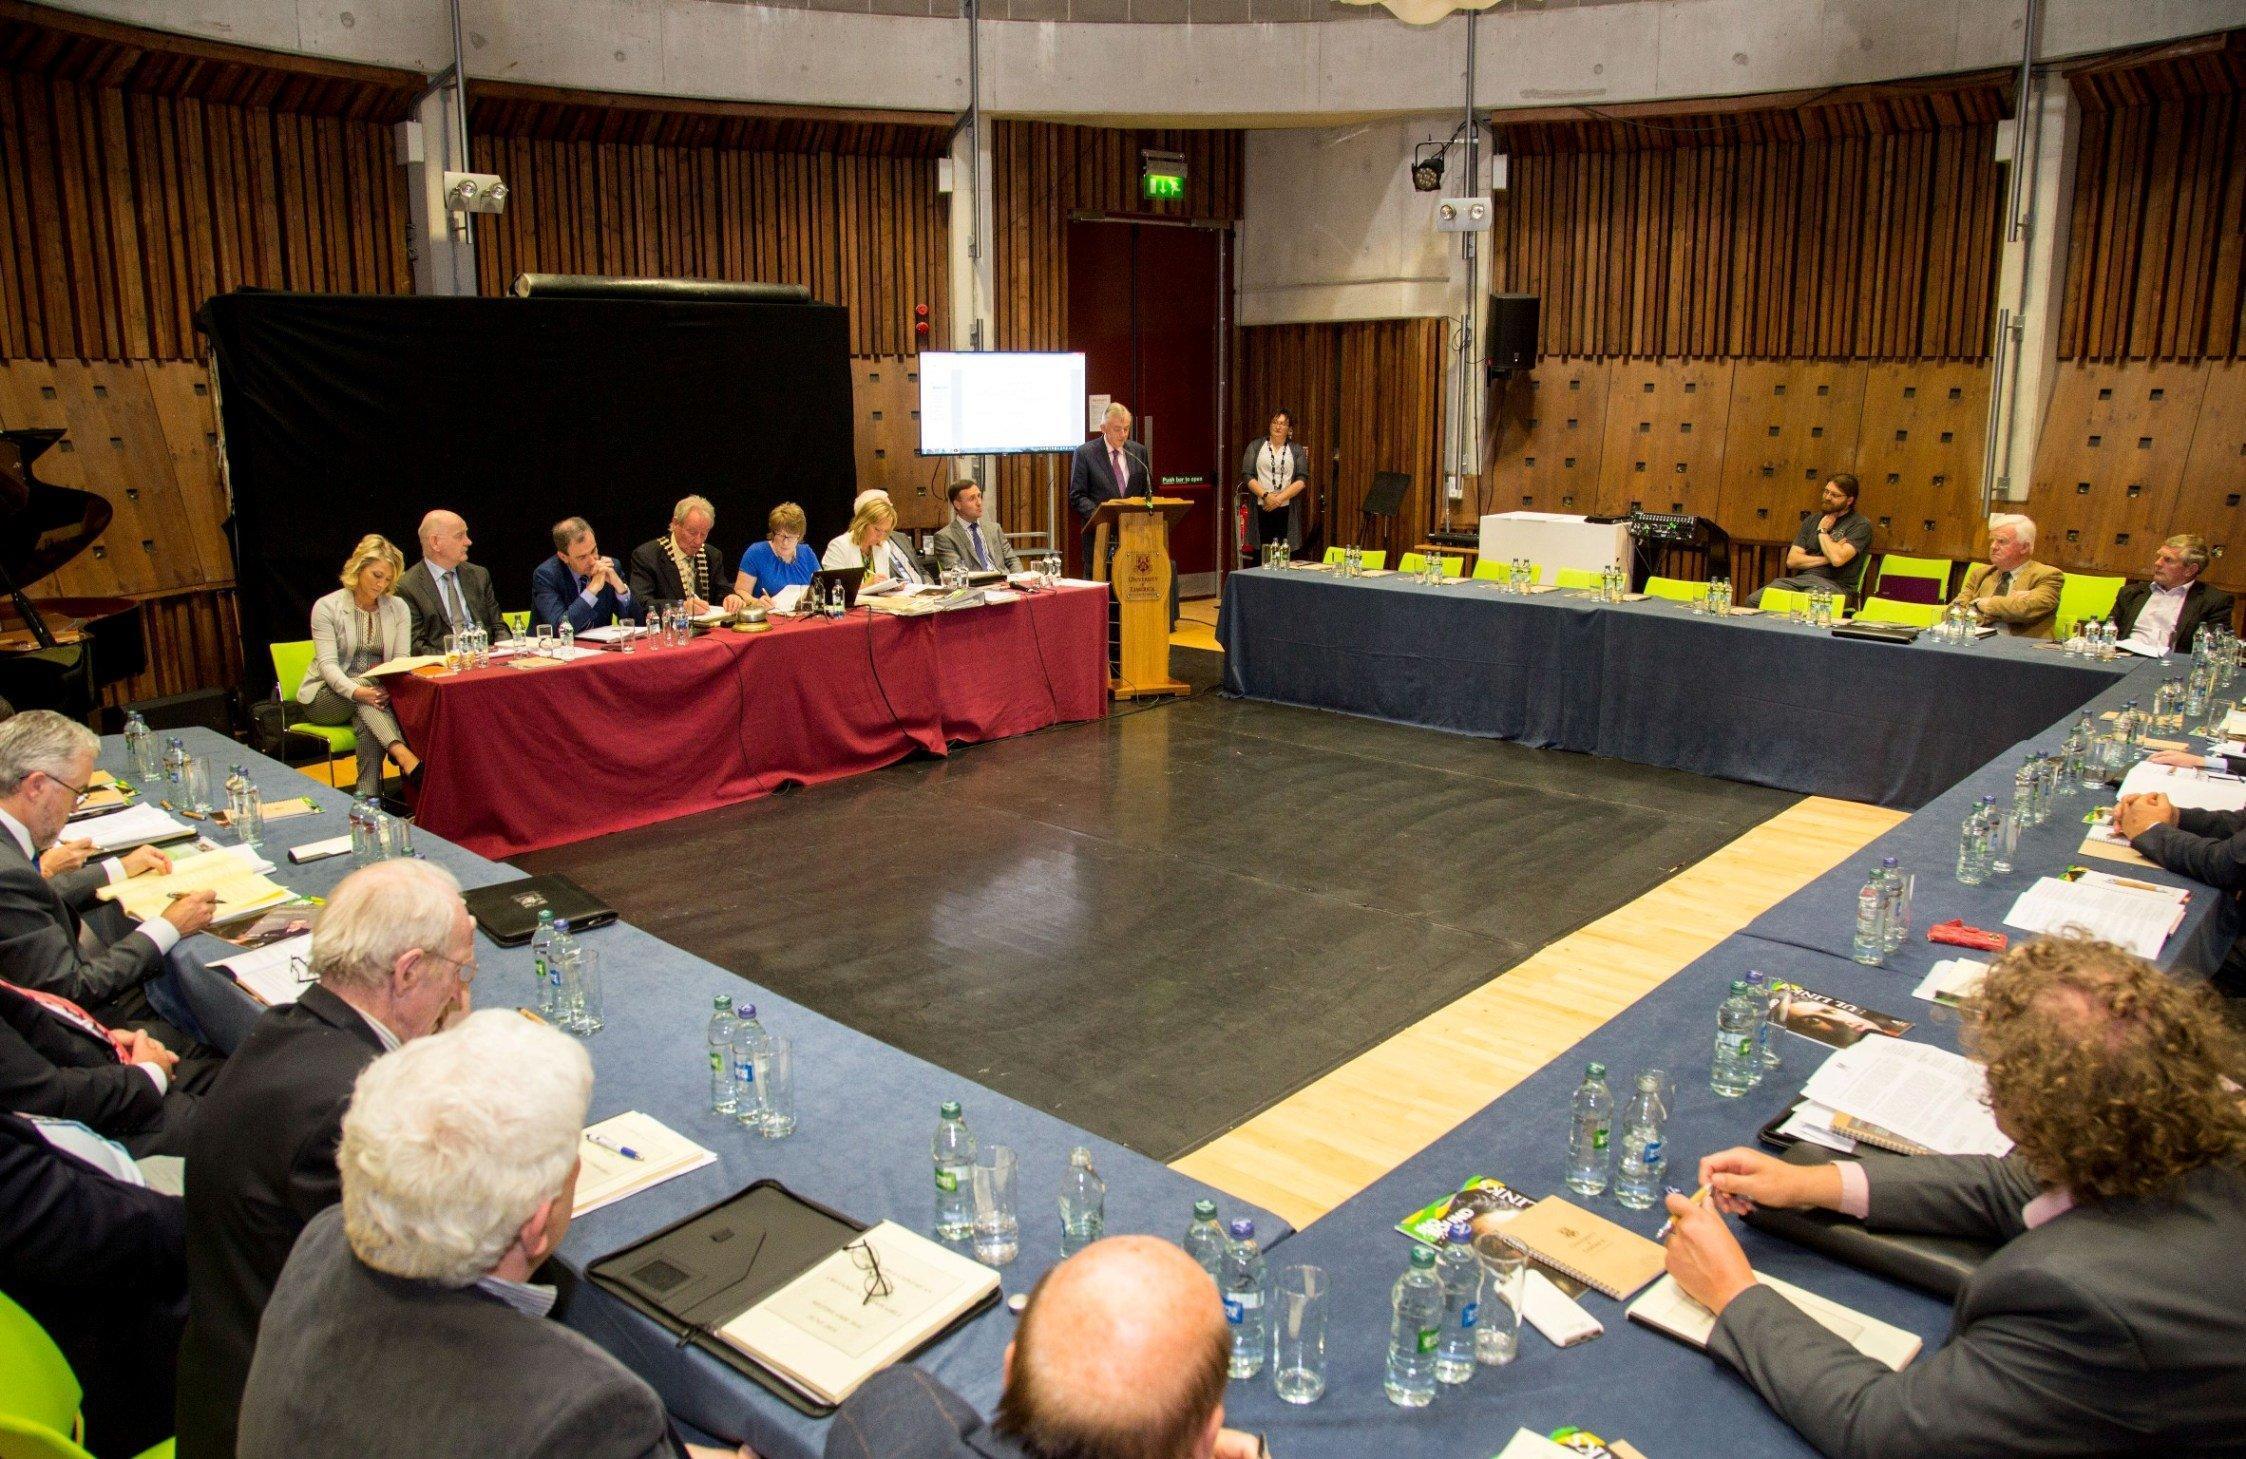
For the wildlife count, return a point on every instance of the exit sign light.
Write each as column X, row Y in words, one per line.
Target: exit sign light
column 1162, row 176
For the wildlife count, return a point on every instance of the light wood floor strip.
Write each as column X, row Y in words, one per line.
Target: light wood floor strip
column 1323, row 1144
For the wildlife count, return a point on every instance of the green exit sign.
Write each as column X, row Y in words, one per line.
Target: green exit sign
column 1162, row 176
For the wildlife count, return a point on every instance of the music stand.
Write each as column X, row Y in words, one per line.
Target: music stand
column 1382, row 502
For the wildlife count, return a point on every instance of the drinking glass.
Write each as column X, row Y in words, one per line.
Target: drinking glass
column 775, row 1082
column 544, row 638
column 1497, row 1326
column 148, row 757
column 196, row 786
column 627, row 637
column 998, row 1230
column 1298, row 1333
column 585, row 1006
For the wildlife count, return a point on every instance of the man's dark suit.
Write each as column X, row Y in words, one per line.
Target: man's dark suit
column 902, row 1413
column 2115, row 1328
column 556, row 598
column 51, row 1066
column 100, row 1265
column 432, row 621
column 1091, row 480
column 2202, row 604
column 261, row 1159
column 654, row 577
column 357, row 1362
column 39, row 948
column 2208, row 846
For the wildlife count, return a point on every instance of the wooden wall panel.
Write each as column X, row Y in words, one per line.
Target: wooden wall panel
column 1918, row 455
column 1666, row 425
column 1295, row 367
column 1793, row 425
column 887, row 401
column 1554, row 434
column 2110, row 466
column 2209, row 499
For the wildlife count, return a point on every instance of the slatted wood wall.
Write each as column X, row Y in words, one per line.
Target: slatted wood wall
column 1042, row 173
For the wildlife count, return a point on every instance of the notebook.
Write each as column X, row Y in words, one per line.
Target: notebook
column 658, row 1153
column 1667, row 1309
column 1589, row 1248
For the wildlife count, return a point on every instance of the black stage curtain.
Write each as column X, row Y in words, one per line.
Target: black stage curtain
column 349, row 414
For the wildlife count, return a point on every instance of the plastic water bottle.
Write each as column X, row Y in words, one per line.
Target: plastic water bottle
column 1083, row 1203
column 565, row 637
column 1643, row 1162
column 360, row 833
column 1897, row 924
column 2004, row 834
column 1243, row 1288
column 1766, row 1032
column 1460, row 1272
column 1869, row 945
column 723, row 1099
column 175, row 760
column 1204, row 1240
column 249, row 816
column 1414, row 1332
column 1973, row 849
column 954, row 1152
column 1590, row 1125
column 139, row 743
column 542, row 963
column 561, row 977
column 749, row 1040
column 1737, row 1067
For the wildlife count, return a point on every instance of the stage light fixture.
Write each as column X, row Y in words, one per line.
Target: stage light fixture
column 1427, row 167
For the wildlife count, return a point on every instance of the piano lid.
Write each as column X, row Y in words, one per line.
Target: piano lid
column 42, row 526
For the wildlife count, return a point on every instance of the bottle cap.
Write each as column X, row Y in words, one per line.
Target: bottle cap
column 1738, row 985
column 1460, row 1231
column 724, row 1001
column 748, row 1010
column 1754, row 976
column 1887, row 861
column 1204, row 1210
column 949, row 1109
column 1242, row 1229
column 1423, row 1257
column 545, row 914
column 1594, row 1070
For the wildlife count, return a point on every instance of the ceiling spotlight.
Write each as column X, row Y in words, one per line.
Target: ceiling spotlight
column 1427, row 167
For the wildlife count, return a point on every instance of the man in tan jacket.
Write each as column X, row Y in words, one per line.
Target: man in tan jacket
column 2009, row 590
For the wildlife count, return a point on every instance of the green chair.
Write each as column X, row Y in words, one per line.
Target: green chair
column 39, row 1395
column 1416, row 562
column 1374, row 561
column 519, row 621
column 2082, row 597
column 1916, row 569
column 1782, row 600
column 1578, row 577
column 1491, row 570
column 291, row 662
column 1892, row 610
column 1676, row 590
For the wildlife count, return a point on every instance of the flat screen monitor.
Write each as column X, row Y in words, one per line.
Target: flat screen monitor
column 996, row 403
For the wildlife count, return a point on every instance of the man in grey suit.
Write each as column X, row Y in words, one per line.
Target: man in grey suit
column 444, row 589
column 408, row 1320
column 2112, row 1319
column 46, row 760
column 973, row 539
column 1122, row 1351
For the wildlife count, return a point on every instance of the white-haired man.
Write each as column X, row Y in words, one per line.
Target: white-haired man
column 1109, row 466
column 681, row 566
column 445, row 591
column 393, row 954
column 2012, row 590
column 459, row 1167
column 46, row 761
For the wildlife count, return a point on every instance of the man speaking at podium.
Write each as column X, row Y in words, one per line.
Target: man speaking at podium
column 1111, row 466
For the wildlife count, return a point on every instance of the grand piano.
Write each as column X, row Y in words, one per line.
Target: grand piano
column 56, row 652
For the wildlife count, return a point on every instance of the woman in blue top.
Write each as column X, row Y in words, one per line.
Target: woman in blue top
column 780, row 560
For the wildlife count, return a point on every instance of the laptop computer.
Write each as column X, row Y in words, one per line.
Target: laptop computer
column 850, row 578
column 508, row 912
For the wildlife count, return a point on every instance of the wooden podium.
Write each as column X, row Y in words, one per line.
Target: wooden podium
column 1140, row 528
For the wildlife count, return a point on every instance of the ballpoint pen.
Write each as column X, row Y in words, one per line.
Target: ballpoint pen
column 1671, row 1224
column 607, row 1144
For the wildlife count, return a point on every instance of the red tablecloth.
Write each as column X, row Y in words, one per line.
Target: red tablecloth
column 522, row 759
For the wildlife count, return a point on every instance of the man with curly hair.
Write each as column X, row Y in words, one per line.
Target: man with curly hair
column 2112, row 1318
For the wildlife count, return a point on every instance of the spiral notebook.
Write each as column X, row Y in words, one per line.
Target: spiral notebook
column 1593, row 1250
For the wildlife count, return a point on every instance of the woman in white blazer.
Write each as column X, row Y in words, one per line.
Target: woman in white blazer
column 362, row 624
column 867, row 544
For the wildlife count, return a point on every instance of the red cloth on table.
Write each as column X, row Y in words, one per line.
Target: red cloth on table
column 522, row 759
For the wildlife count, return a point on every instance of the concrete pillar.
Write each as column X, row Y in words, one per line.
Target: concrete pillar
column 2032, row 282
column 437, row 240
column 972, row 321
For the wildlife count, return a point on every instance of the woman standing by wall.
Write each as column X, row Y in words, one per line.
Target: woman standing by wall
column 1276, row 472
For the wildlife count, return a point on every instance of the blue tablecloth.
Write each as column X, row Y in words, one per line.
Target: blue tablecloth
column 867, row 1114
column 1755, row 699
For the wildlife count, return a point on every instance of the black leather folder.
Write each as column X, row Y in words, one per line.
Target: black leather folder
column 1935, row 1264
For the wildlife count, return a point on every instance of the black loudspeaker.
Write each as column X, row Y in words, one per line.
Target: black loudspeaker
column 1512, row 332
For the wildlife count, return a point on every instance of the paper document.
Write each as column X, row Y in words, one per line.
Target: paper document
column 1927, row 1095
column 1666, row 1308
column 1529, row 1444
column 1955, row 981
column 236, row 873
column 2187, row 787
column 789, row 598
column 605, row 1177
column 405, row 665
column 270, row 972
column 1077, row 583
column 121, row 830
column 1814, row 1123
column 320, row 850
column 2234, row 724
column 606, row 633
column 2136, row 915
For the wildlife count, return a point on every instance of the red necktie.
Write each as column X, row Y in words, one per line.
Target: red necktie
column 63, row 1008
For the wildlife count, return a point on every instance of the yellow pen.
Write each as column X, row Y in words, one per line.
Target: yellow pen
column 1671, row 1224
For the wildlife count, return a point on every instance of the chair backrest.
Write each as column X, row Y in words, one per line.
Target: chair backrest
column 1577, row 577
column 519, row 620
column 1894, row 610
column 2082, row 596
column 1492, row 569
column 1895, row 570
column 1412, row 562
column 291, row 662
column 1782, row 600
column 39, row 1395
column 1676, row 589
